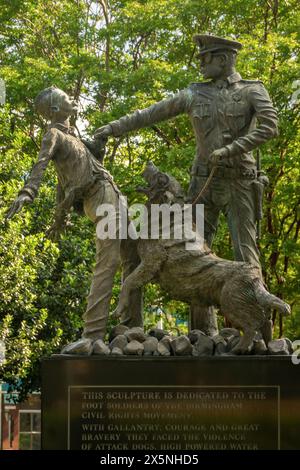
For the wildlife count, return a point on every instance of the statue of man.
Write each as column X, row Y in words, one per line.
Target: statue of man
column 82, row 179
column 231, row 117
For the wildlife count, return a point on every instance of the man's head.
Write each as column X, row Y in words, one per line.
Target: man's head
column 54, row 104
column 217, row 55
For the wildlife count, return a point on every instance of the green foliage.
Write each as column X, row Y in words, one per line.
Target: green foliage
column 116, row 56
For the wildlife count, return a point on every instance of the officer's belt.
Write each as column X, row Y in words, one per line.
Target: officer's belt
column 225, row 172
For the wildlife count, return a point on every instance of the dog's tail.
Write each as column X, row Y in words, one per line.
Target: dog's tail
column 270, row 301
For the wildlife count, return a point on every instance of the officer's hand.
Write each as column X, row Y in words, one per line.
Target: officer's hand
column 103, row 132
column 17, row 205
column 218, row 155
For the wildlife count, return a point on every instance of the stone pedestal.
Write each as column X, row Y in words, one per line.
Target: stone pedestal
column 173, row 403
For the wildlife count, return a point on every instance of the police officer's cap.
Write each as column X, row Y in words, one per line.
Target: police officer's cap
column 209, row 43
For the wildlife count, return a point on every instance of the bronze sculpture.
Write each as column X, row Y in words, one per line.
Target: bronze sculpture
column 199, row 276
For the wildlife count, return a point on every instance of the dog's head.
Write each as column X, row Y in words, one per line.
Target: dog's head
column 162, row 188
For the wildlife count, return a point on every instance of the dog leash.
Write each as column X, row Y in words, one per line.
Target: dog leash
column 207, row 183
